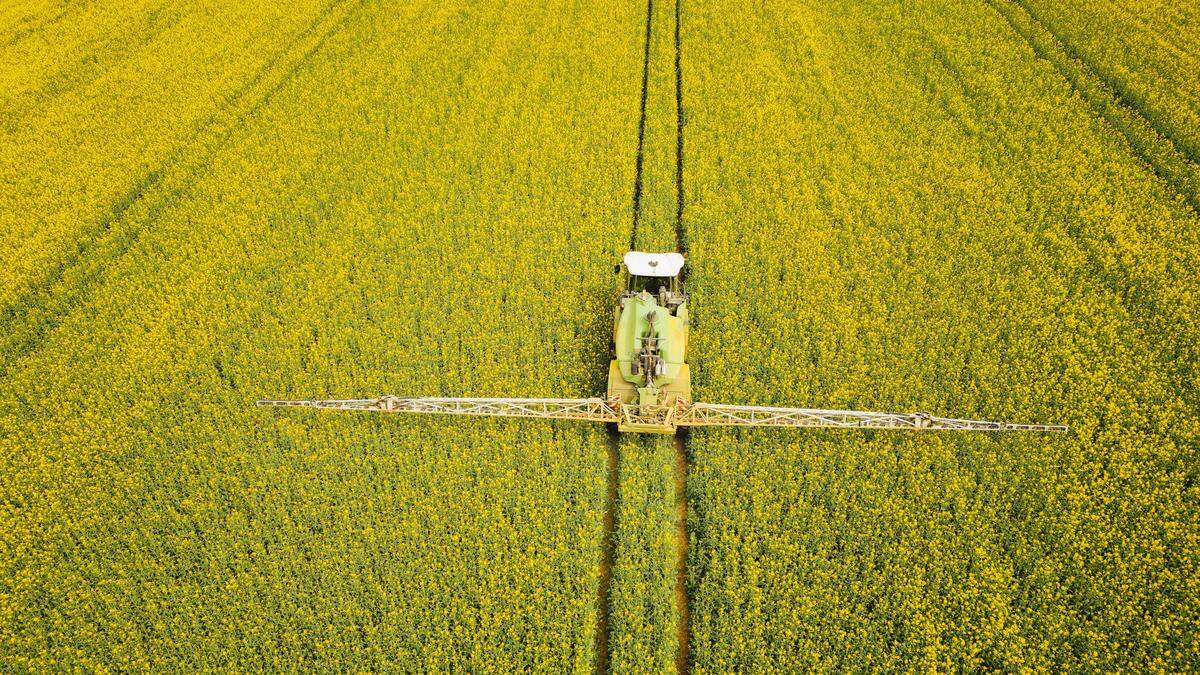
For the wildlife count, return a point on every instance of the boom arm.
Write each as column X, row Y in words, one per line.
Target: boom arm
column 590, row 409
column 683, row 413
column 715, row 414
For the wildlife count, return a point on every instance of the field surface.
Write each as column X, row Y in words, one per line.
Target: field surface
column 983, row 209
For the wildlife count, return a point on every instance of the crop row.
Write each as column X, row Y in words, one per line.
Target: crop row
column 643, row 612
column 100, row 101
column 377, row 225
column 1144, row 50
column 900, row 206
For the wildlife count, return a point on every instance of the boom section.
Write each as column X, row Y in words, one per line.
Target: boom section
column 715, row 414
column 661, row 418
column 587, row 409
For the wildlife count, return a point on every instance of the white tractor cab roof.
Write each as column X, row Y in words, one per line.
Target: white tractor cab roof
column 659, row 265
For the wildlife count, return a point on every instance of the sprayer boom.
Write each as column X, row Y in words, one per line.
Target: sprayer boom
column 713, row 414
column 590, row 409
column 649, row 380
column 663, row 418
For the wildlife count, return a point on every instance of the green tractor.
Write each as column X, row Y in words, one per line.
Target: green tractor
column 650, row 332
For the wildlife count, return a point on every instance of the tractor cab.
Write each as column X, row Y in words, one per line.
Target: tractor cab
column 658, row 274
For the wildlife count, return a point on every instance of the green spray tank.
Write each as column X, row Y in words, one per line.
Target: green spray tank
column 649, row 382
column 650, row 333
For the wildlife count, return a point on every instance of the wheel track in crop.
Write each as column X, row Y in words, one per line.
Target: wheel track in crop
column 1158, row 155
column 34, row 314
column 608, row 549
column 680, row 239
column 1158, row 150
column 31, row 27
column 83, row 73
column 682, row 600
column 1113, row 86
column 679, row 472
column 683, row 629
column 640, row 157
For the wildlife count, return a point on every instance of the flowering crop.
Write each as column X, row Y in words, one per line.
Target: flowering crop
column 643, row 612
column 98, row 99
column 900, row 206
column 983, row 209
column 418, row 205
column 1144, row 50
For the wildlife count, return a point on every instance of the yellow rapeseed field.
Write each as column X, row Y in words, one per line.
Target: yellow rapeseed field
column 417, row 205
column 97, row 100
column 983, row 209
column 901, row 206
column 1144, row 50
